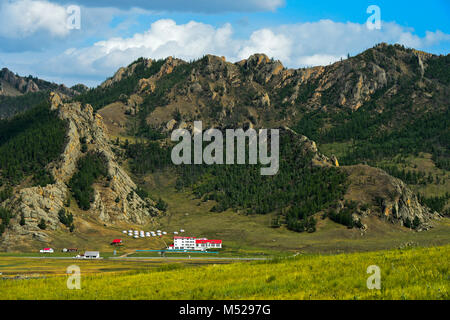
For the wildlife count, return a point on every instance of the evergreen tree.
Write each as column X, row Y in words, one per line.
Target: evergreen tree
column 42, row 225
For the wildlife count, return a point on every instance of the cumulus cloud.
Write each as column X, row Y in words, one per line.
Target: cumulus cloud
column 296, row 45
column 277, row 45
column 22, row 18
column 202, row 6
column 164, row 38
column 39, row 25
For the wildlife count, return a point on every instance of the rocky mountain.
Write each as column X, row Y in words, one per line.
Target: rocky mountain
column 373, row 114
column 396, row 86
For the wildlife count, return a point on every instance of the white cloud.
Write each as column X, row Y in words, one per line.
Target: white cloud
column 22, row 18
column 39, row 25
column 266, row 41
column 164, row 38
column 204, row 6
column 318, row 60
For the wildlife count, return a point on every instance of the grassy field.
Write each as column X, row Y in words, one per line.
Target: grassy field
column 24, row 266
column 413, row 273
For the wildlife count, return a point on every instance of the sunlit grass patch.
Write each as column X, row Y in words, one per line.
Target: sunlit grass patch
column 415, row 273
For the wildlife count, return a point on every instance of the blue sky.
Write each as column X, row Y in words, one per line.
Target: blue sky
column 35, row 38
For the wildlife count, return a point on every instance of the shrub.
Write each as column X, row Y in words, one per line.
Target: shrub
column 42, row 225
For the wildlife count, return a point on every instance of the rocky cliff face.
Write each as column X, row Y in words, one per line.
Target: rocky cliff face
column 38, row 203
column 390, row 197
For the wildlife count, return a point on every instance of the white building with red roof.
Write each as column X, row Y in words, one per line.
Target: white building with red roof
column 192, row 243
column 46, row 250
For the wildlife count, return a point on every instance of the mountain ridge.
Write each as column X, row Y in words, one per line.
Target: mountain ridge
column 383, row 91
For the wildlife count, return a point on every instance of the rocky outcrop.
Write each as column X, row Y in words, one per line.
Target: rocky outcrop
column 83, row 123
column 389, row 196
column 403, row 206
column 125, row 72
column 309, row 147
column 262, row 69
column 30, row 84
column 115, row 202
column 148, row 85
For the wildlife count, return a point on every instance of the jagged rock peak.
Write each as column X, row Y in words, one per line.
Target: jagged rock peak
column 126, row 71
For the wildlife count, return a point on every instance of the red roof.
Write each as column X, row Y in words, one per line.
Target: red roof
column 117, row 241
column 47, row 249
column 208, row 241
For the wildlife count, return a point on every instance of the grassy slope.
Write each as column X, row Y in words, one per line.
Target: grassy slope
column 417, row 273
column 251, row 234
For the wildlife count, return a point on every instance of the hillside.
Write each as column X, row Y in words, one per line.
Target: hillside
column 387, row 101
column 35, row 204
column 18, row 94
column 386, row 107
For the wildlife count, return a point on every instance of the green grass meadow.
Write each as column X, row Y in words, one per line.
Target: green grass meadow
column 413, row 273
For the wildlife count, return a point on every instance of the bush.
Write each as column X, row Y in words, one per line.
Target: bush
column 416, row 222
column 161, row 205
column 5, row 215
column 6, row 193
column 42, row 225
column 343, row 217
column 65, row 219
